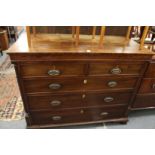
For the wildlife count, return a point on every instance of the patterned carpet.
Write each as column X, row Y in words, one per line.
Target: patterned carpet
column 11, row 106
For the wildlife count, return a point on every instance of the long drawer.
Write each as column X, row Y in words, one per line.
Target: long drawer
column 77, row 115
column 54, row 102
column 79, row 84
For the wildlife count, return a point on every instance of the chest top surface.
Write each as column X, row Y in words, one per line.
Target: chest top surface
column 48, row 43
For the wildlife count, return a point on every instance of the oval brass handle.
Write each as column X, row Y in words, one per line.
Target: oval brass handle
column 54, row 86
column 116, row 70
column 55, row 103
column 104, row 113
column 56, row 118
column 112, row 84
column 53, row 72
column 108, row 99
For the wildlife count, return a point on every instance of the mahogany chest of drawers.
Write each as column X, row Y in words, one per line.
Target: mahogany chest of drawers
column 78, row 88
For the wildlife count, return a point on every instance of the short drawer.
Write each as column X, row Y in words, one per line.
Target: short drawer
column 79, row 84
column 77, row 100
column 150, row 73
column 107, row 99
column 147, row 86
column 144, row 101
column 52, row 69
column 115, row 68
column 53, row 102
column 77, row 115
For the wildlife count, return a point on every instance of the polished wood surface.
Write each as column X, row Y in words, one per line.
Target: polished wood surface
column 47, row 43
column 80, row 68
column 77, row 115
column 125, row 68
column 95, row 83
column 69, row 84
column 44, row 68
column 74, row 100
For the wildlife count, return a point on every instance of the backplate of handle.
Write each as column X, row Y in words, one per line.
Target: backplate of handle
column 55, row 103
column 104, row 113
column 53, row 72
column 108, row 99
column 112, row 84
column 56, row 118
column 116, row 70
column 55, row 86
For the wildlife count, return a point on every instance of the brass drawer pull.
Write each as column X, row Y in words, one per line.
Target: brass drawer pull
column 54, row 86
column 85, row 81
column 55, row 103
column 112, row 84
column 104, row 113
column 83, row 96
column 116, row 70
column 53, row 72
column 108, row 99
column 56, row 118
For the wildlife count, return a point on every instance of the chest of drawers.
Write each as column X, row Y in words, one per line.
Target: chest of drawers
column 71, row 89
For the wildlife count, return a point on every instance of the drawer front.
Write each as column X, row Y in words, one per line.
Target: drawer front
column 54, row 102
column 147, row 86
column 77, row 100
column 144, row 101
column 53, row 85
column 116, row 68
column 106, row 99
column 150, row 73
column 79, row 84
column 77, row 115
column 52, row 69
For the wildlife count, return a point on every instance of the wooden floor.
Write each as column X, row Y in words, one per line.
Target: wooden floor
column 43, row 43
